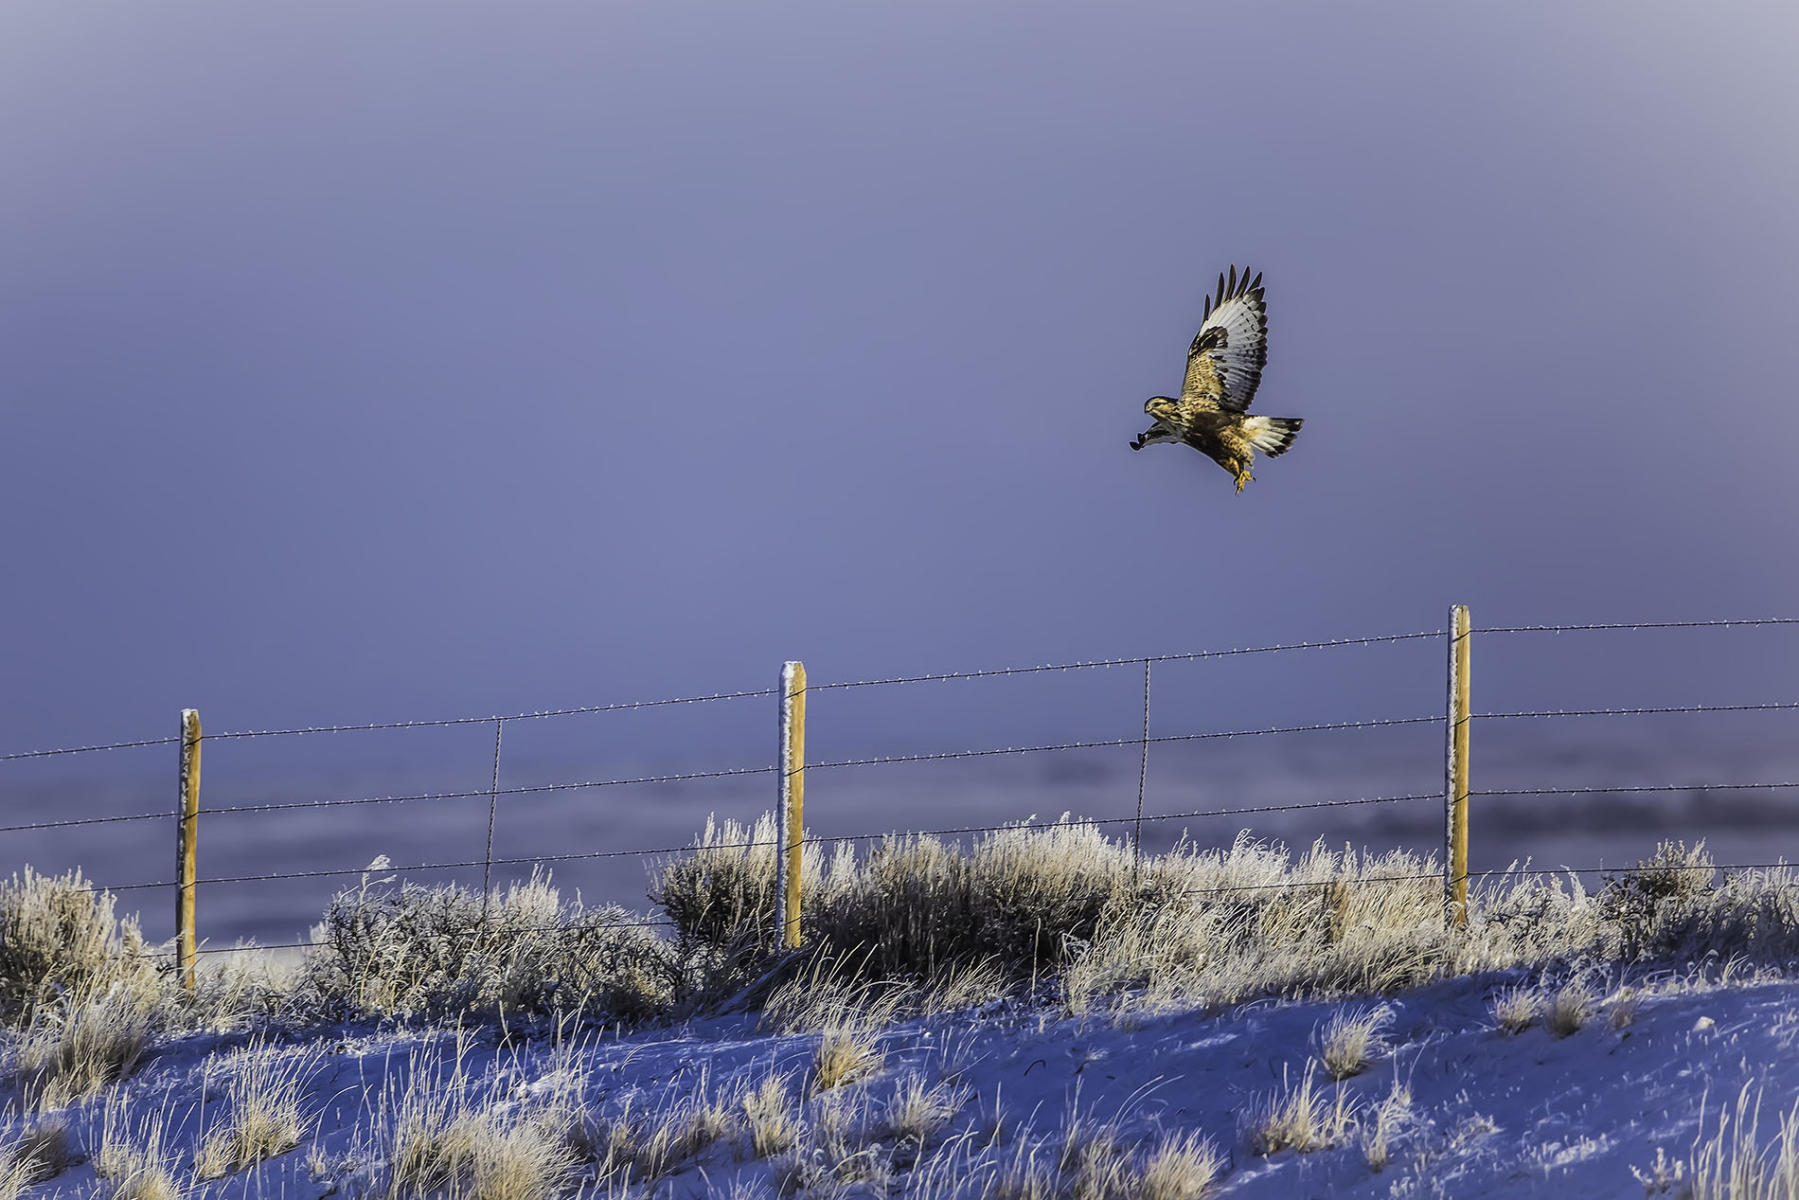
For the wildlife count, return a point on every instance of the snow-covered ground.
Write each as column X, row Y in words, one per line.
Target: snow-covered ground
column 1492, row 1113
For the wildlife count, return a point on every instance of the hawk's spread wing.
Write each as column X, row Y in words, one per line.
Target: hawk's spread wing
column 1224, row 364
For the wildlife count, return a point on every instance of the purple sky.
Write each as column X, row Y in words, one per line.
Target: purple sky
column 362, row 362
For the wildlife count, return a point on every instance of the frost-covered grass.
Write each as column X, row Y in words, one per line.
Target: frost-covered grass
column 1033, row 1014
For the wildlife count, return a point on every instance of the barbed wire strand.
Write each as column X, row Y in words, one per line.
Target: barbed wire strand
column 1092, row 664
column 622, row 706
column 18, row 754
column 903, row 679
column 936, row 756
column 941, row 676
column 161, row 816
column 1073, row 822
column 525, row 789
column 1220, row 889
column 1638, row 712
column 833, row 838
column 1635, row 869
column 1655, row 787
column 1721, row 624
column 526, row 929
column 1310, row 883
column 533, row 859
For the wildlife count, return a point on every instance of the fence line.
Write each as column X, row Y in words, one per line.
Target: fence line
column 1457, row 720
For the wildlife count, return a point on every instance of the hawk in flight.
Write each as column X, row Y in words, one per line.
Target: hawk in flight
column 1224, row 365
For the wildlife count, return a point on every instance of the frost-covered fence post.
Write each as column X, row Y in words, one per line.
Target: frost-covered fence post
column 793, row 795
column 1455, row 797
column 187, row 829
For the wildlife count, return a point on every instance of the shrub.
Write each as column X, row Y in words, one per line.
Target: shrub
column 722, row 892
column 60, row 943
column 1641, row 903
column 442, row 950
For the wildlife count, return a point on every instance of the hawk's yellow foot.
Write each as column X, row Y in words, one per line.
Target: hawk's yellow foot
column 1243, row 477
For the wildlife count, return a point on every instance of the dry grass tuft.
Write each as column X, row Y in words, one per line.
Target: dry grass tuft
column 266, row 1118
column 1183, row 1167
column 1732, row 1163
column 827, row 996
column 1300, row 1119
column 1354, row 1039
column 1095, row 1162
column 41, row 1152
column 917, row 1111
column 773, row 1116
column 65, row 1057
column 964, row 986
column 844, row 1056
column 135, row 1157
column 435, row 1140
column 1572, row 1006
column 1389, row 1116
column 61, row 945
column 1515, row 1009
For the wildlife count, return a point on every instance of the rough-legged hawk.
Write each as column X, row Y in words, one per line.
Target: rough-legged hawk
column 1224, row 365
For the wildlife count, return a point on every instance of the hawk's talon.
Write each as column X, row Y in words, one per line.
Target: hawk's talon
column 1242, row 479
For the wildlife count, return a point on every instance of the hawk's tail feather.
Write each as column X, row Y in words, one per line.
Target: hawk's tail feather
column 1272, row 435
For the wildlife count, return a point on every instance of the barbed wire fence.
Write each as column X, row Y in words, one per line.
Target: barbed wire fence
column 790, row 768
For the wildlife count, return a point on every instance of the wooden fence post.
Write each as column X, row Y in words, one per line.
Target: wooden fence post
column 1455, row 823
column 793, row 794
column 187, row 830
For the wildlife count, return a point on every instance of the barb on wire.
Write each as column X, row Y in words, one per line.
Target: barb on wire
column 1640, row 625
column 1639, row 712
column 935, row 756
column 1092, row 664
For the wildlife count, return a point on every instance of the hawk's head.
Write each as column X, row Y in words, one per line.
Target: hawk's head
column 1161, row 408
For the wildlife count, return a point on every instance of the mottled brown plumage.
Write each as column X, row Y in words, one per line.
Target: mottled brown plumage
column 1224, row 367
